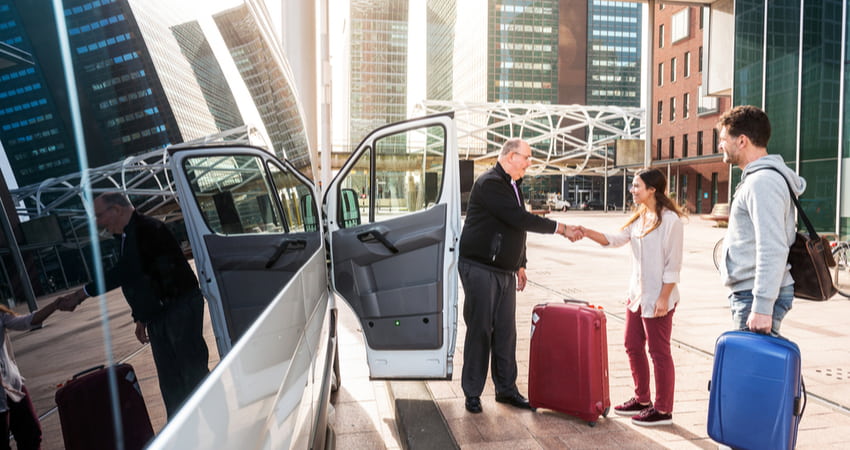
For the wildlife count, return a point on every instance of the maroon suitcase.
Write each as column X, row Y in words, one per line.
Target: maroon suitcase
column 85, row 410
column 568, row 365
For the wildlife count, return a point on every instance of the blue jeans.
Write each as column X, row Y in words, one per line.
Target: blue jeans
column 741, row 302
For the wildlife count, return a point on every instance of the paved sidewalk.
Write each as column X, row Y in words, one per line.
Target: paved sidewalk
column 69, row 343
column 584, row 270
column 364, row 417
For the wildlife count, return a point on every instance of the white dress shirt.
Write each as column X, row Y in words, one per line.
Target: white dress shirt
column 656, row 260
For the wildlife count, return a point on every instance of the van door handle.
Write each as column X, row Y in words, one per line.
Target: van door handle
column 286, row 244
column 375, row 235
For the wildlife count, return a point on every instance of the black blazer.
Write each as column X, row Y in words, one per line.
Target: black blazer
column 495, row 226
column 151, row 270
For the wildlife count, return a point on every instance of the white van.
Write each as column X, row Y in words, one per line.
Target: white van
column 270, row 256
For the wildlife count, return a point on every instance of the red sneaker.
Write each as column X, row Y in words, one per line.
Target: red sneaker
column 630, row 408
column 650, row 417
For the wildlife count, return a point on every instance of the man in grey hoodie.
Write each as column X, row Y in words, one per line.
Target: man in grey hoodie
column 762, row 223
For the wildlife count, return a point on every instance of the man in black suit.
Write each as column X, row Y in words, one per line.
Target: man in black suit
column 492, row 269
column 162, row 291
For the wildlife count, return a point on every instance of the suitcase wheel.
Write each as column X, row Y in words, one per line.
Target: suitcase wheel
column 605, row 413
column 591, row 424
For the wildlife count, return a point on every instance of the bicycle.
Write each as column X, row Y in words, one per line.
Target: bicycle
column 841, row 272
column 718, row 253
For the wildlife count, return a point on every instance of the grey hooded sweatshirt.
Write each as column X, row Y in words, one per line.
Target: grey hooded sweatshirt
column 762, row 226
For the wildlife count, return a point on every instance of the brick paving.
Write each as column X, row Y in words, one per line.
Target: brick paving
column 364, row 417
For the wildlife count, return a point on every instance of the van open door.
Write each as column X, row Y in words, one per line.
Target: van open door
column 393, row 216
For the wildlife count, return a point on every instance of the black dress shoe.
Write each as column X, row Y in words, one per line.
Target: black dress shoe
column 473, row 404
column 515, row 400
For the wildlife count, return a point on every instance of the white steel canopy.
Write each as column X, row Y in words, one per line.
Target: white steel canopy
column 144, row 177
column 565, row 139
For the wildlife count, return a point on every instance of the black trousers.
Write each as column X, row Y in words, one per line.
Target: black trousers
column 179, row 350
column 489, row 311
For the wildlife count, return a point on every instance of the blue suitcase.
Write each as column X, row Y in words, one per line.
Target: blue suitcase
column 757, row 395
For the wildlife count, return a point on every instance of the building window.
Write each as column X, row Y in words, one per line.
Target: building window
column 660, row 74
column 702, row 12
column 699, row 143
column 681, row 26
column 672, row 147
column 660, row 36
column 700, row 60
column 707, row 105
column 672, row 109
column 658, row 149
column 660, row 111
column 687, row 63
column 684, row 146
column 686, row 106
column 673, row 70
column 714, row 140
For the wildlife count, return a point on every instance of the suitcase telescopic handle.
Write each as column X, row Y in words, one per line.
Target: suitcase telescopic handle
column 572, row 300
column 582, row 302
column 90, row 369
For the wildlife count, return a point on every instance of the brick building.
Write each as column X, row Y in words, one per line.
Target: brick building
column 685, row 142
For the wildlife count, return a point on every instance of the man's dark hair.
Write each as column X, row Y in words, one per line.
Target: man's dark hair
column 115, row 199
column 748, row 120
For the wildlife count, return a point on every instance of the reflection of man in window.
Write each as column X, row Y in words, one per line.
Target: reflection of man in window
column 162, row 292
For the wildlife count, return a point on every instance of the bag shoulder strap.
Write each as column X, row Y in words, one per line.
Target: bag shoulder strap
column 809, row 228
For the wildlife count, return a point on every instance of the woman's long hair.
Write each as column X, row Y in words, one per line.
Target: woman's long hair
column 653, row 178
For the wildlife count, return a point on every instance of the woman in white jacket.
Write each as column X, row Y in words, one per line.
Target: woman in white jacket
column 655, row 233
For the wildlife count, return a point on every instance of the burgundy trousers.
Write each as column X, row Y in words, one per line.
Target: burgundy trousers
column 653, row 333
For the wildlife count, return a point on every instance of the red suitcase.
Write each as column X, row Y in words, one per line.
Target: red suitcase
column 85, row 410
column 568, row 365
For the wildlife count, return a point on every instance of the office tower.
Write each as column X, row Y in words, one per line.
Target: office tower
column 523, row 51
column 33, row 117
column 148, row 74
column 378, row 37
column 614, row 53
column 787, row 60
column 440, row 39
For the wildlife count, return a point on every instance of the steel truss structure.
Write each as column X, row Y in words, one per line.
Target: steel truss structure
column 145, row 178
column 565, row 139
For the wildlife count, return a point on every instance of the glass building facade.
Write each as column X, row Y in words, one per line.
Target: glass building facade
column 147, row 76
column 613, row 53
column 148, row 73
column 799, row 79
column 378, row 94
column 523, row 51
column 264, row 74
column 32, row 118
column 442, row 16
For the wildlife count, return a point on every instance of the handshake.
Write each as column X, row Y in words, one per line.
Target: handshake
column 571, row 232
column 71, row 301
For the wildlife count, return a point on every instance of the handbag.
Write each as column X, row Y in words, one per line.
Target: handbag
column 810, row 258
